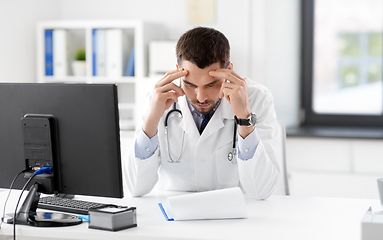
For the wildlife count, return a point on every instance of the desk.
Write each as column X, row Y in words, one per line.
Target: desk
column 278, row 217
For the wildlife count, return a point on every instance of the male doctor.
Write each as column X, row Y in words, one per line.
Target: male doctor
column 218, row 107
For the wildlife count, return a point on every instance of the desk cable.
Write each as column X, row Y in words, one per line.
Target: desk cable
column 37, row 172
column 9, row 192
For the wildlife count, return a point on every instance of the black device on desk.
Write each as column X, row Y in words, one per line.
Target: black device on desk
column 85, row 139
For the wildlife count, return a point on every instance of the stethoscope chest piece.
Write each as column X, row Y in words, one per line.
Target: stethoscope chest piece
column 232, row 156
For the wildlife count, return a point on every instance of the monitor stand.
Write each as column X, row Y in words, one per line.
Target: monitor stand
column 27, row 214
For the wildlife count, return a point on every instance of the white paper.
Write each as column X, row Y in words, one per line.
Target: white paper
column 217, row 204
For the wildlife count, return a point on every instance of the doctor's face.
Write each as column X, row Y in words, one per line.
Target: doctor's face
column 200, row 88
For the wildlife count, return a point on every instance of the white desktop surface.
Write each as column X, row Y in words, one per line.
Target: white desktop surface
column 278, row 217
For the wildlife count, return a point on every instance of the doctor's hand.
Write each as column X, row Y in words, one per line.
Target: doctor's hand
column 234, row 89
column 165, row 93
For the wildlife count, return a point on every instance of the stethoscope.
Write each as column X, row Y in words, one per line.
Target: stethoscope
column 174, row 110
column 232, row 156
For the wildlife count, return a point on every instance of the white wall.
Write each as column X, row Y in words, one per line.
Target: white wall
column 334, row 167
column 282, row 57
column 263, row 35
column 275, row 49
column 17, row 37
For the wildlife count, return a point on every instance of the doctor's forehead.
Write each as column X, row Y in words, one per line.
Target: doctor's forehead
column 200, row 80
column 197, row 75
column 194, row 68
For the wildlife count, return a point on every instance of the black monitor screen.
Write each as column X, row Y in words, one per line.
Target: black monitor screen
column 88, row 134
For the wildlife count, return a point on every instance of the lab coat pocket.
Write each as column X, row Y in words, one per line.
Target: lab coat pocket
column 227, row 171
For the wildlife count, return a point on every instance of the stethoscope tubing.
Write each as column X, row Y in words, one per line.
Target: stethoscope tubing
column 235, row 135
column 232, row 156
column 167, row 134
column 170, row 112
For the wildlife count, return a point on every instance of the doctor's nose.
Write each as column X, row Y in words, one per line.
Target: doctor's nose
column 202, row 95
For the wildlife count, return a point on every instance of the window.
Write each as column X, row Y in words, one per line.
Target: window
column 342, row 52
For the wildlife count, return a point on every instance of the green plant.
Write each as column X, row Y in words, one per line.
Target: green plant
column 80, row 54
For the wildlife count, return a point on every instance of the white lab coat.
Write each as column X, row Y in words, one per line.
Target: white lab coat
column 204, row 163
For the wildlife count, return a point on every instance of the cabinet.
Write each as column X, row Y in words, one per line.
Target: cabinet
column 121, row 36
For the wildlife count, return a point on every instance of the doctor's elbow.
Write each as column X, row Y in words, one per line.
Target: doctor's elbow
column 138, row 193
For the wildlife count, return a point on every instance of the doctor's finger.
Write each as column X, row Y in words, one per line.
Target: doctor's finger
column 171, row 76
column 228, row 75
column 231, row 71
column 227, row 88
column 170, row 73
column 232, row 89
column 171, row 87
column 225, row 85
column 226, row 93
column 173, row 96
column 228, row 84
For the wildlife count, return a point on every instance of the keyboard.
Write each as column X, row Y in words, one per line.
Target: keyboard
column 67, row 205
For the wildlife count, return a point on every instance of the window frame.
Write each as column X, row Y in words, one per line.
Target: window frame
column 309, row 117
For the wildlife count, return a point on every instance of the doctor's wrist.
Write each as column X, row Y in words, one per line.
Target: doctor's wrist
column 244, row 131
column 150, row 129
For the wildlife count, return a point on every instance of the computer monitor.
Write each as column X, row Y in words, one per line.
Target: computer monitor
column 85, row 125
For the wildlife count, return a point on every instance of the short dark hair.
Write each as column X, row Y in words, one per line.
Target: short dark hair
column 203, row 47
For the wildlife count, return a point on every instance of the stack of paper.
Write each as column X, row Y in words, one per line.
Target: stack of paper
column 217, row 204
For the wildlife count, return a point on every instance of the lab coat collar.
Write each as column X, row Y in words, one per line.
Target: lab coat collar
column 187, row 124
column 224, row 111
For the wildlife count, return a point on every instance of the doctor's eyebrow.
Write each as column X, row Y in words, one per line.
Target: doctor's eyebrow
column 212, row 83
column 188, row 83
column 206, row 85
